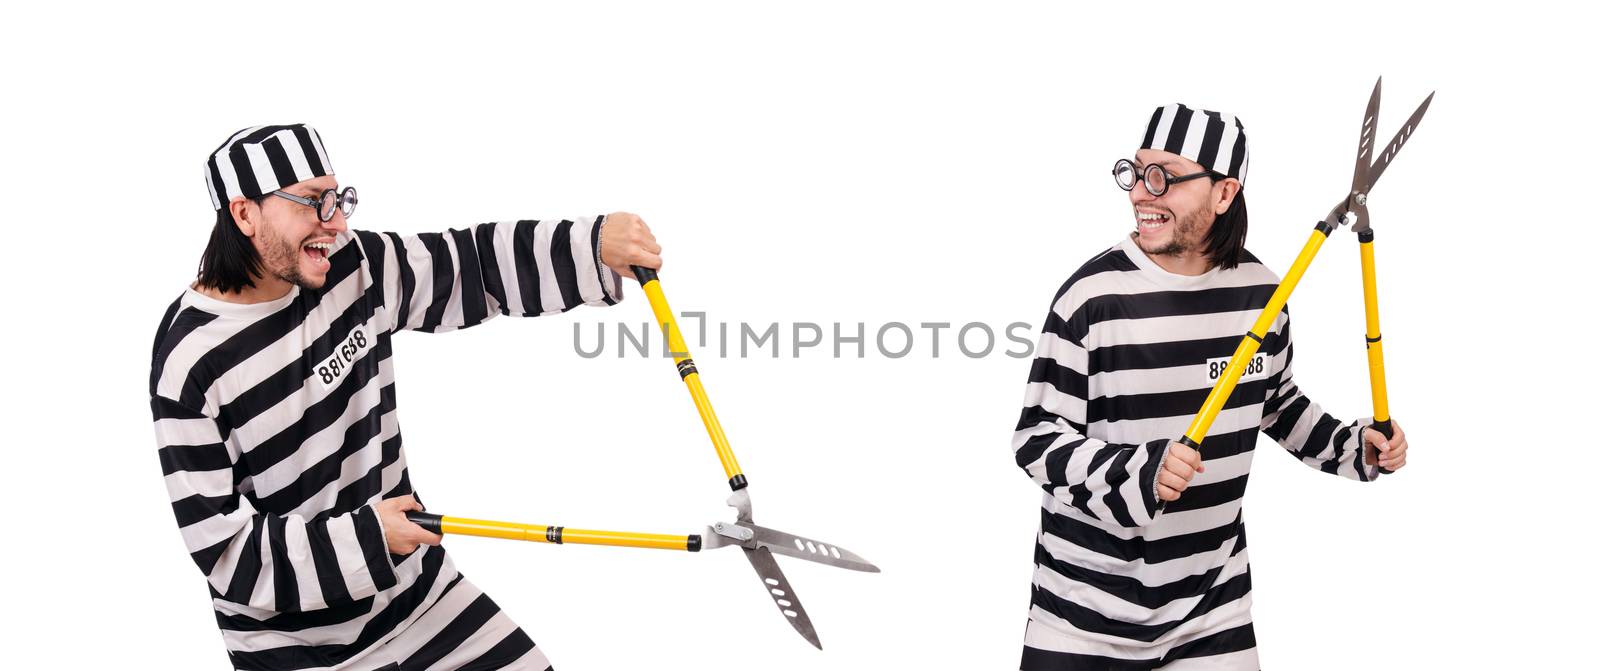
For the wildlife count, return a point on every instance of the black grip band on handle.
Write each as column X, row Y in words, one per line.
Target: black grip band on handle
column 433, row 523
column 738, row 482
column 643, row 274
column 693, row 544
column 1387, row 429
column 1384, row 427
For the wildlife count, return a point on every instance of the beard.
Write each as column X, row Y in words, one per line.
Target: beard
column 281, row 258
column 1184, row 238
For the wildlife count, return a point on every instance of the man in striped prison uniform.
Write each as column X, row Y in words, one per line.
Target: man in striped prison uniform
column 1140, row 559
column 272, row 387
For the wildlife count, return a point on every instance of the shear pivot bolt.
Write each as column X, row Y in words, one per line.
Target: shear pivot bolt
column 733, row 531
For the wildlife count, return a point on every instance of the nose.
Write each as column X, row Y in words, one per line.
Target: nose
column 1139, row 194
column 337, row 223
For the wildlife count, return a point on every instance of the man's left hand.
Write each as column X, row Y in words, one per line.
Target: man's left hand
column 1390, row 452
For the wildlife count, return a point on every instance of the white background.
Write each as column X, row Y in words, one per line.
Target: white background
column 823, row 162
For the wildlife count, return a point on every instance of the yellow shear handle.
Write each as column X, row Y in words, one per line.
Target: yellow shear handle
column 1380, row 386
column 440, row 524
column 1252, row 340
column 691, row 377
column 1369, row 291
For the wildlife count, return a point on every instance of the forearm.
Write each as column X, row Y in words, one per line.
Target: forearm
column 1317, row 438
column 1289, row 417
column 289, row 563
column 281, row 563
column 462, row 277
column 1111, row 482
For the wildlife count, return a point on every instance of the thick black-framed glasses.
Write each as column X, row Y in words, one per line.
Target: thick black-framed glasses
column 1156, row 178
column 329, row 202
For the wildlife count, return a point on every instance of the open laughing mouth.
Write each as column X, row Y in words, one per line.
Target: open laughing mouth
column 1151, row 221
column 318, row 253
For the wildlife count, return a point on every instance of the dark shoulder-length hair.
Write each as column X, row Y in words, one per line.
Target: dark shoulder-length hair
column 1225, row 242
column 230, row 262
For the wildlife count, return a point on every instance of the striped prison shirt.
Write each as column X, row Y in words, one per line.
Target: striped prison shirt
column 277, row 434
column 1126, row 357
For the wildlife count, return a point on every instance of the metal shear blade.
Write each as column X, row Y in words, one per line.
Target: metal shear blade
column 1369, row 134
column 752, row 537
column 1382, row 160
column 1369, row 167
column 759, row 543
column 777, row 587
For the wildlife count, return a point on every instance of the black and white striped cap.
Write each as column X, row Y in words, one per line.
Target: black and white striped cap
column 1213, row 139
column 261, row 159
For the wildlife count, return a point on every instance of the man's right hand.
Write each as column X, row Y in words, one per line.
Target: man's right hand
column 403, row 534
column 625, row 241
column 1180, row 466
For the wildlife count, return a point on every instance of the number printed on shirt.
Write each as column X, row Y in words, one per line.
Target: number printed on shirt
column 332, row 369
column 1255, row 369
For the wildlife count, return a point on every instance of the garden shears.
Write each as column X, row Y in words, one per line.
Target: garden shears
column 757, row 542
column 1351, row 210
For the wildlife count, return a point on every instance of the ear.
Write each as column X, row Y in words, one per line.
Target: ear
column 246, row 215
column 1222, row 195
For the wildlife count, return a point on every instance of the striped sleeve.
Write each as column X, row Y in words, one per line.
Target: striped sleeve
column 1111, row 482
column 1317, row 438
column 279, row 563
column 444, row 281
